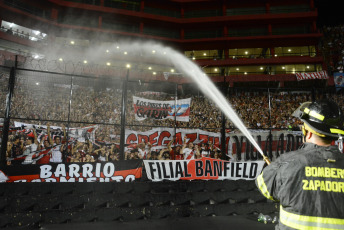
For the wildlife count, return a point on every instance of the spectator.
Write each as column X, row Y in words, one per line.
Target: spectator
column 206, row 149
column 164, row 154
column 103, row 154
column 114, row 157
column 14, row 149
column 57, row 147
column 132, row 155
column 189, row 151
column 89, row 158
column 144, row 150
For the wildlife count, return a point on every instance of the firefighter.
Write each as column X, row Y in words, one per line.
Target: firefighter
column 309, row 183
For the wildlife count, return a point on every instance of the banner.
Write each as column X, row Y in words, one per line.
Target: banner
column 312, row 76
column 79, row 134
column 236, row 143
column 168, row 74
column 202, row 169
column 118, row 171
column 160, row 110
column 339, row 80
column 160, row 137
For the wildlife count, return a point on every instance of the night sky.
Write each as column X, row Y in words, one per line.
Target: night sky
column 331, row 13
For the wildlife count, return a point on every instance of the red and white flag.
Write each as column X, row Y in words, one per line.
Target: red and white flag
column 312, row 75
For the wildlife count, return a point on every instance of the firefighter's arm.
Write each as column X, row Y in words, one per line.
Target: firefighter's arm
column 266, row 182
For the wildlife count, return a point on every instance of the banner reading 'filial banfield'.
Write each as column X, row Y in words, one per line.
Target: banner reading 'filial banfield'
column 160, row 110
column 202, row 169
column 312, row 76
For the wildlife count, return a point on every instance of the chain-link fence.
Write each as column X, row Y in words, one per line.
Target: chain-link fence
column 110, row 118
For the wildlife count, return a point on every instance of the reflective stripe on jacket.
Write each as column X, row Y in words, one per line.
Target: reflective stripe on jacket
column 309, row 222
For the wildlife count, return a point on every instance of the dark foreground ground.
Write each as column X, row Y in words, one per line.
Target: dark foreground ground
column 179, row 205
column 190, row 223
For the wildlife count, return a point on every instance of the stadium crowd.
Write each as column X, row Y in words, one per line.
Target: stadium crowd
column 50, row 105
column 102, row 107
column 332, row 47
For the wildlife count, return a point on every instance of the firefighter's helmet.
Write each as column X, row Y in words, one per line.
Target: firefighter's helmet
column 323, row 118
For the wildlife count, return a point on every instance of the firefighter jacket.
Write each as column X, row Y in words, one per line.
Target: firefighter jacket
column 309, row 185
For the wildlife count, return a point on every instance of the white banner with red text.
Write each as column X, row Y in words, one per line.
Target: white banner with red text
column 160, row 137
column 236, row 143
column 160, row 110
column 202, row 169
column 80, row 134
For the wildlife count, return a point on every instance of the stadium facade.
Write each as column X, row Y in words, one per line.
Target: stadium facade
column 251, row 43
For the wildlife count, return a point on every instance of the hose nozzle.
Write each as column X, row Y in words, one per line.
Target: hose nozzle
column 266, row 159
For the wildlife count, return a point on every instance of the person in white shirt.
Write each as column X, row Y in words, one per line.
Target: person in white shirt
column 144, row 150
column 57, row 149
column 30, row 148
column 190, row 152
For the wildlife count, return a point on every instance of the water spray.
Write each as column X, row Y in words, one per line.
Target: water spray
column 184, row 66
column 211, row 91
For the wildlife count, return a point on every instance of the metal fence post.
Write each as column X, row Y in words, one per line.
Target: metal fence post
column 123, row 121
column 175, row 113
column 6, row 127
column 223, row 123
